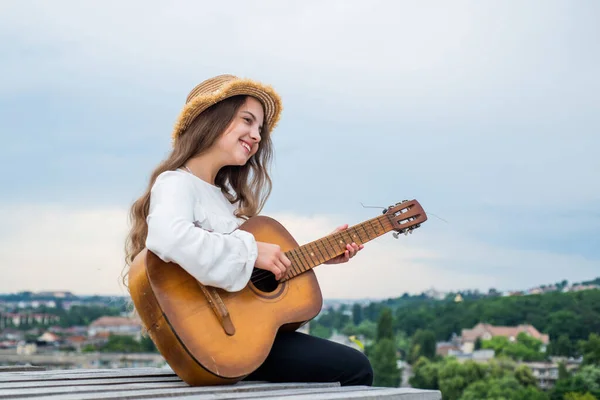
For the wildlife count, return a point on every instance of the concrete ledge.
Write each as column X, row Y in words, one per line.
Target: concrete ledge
column 156, row 383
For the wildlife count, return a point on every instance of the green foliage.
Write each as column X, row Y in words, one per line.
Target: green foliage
column 580, row 396
column 423, row 344
column 524, row 376
column 563, row 372
column 127, row 344
column 357, row 314
column 85, row 315
column 425, row 374
column 121, row 344
column 574, row 315
column 384, row 325
column 334, row 320
column 402, row 344
column 586, row 380
column 591, row 350
column 505, row 388
column 561, row 347
column 526, row 348
column 384, row 361
column 368, row 329
column 318, row 330
column 497, row 379
column 454, row 377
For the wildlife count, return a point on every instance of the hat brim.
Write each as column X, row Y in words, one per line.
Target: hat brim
column 264, row 93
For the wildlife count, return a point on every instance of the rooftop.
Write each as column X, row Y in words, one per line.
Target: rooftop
column 156, row 383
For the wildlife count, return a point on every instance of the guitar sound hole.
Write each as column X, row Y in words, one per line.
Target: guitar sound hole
column 264, row 280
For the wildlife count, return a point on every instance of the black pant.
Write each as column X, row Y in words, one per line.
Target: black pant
column 297, row 357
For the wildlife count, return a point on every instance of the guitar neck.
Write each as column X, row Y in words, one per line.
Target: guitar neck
column 319, row 251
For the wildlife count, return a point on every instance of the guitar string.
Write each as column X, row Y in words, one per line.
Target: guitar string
column 259, row 275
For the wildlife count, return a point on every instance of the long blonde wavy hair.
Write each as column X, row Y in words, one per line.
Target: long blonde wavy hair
column 250, row 184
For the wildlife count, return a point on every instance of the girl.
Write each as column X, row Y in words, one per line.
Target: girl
column 213, row 180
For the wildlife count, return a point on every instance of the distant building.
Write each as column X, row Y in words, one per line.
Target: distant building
column 435, row 294
column 443, row 348
column 48, row 338
column 482, row 355
column 579, row 288
column 487, row 331
column 546, row 373
column 115, row 325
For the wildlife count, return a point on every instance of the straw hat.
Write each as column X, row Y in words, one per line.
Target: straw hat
column 220, row 87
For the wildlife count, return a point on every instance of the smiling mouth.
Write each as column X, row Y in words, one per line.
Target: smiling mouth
column 245, row 146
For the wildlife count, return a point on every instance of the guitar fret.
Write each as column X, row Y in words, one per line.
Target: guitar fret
column 352, row 235
column 306, row 263
column 326, row 255
column 339, row 242
column 367, row 233
column 362, row 241
column 313, row 253
column 303, row 265
column 329, row 256
column 331, row 245
column 294, row 258
column 382, row 227
column 323, row 256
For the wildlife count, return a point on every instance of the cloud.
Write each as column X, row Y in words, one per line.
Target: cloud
column 81, row 250
column 483, row 112
column 46, row 247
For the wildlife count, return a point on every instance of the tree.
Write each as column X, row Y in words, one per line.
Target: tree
column 591, row 350
column 425, row 374
column 561, row 347
column 122, row 344
column 368, row 329
column 524, row 376
column 384, row 326
column 385, row 364
column 501, row 388
column 579, row 396
column 402, row 344
column 423, row 345
column 563, row 373
column 318, row 330
column 477, row 343
column 357, row 314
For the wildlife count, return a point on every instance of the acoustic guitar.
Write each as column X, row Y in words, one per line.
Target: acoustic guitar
column 210, row 336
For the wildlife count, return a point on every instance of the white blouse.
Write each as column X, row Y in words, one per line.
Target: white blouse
column 191, row 223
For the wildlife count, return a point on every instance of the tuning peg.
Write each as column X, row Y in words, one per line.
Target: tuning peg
column 395, row 235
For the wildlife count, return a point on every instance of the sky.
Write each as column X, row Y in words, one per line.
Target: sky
column 487, row 113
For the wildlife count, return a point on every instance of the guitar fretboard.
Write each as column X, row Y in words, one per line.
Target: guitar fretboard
column 319, row 251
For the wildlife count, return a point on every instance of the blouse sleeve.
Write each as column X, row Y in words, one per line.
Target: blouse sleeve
column 215, row 259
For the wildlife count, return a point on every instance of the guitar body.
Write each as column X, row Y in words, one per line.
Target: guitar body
column 186, row 330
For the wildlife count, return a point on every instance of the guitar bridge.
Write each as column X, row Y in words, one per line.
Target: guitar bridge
column 219, row 308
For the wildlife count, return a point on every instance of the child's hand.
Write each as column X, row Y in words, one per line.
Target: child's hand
column 271, row 258
column 351, row 249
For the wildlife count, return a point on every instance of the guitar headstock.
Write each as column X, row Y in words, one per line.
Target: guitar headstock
column 405, row 216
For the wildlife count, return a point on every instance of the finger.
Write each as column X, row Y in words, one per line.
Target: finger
column 275, row 271
column 281, row 267
column 285, row 261
column 351, row 250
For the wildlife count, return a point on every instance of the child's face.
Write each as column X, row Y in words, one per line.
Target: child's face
column 241, row 139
